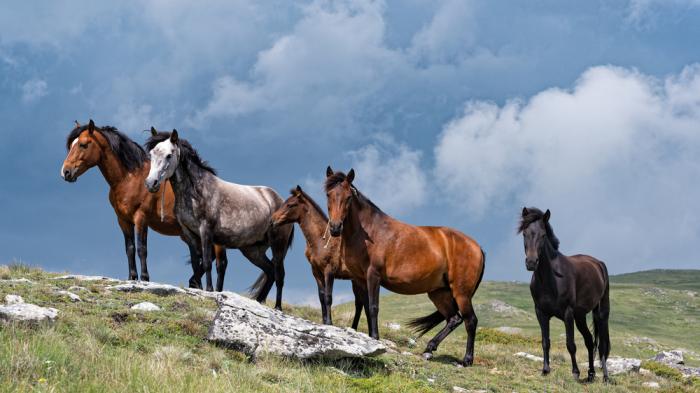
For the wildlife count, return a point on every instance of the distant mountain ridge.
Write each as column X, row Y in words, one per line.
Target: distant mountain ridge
column 667, row 278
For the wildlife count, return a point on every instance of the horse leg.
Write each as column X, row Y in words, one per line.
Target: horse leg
column 446, row 305
column 321, row 295
column 221, row 264
column 256, row 255
column 544, row 328
column 128, row 231
column 464, row 303
column 142, row 237
column 328, row 278
column 570, row 343
column 281, row 238
column 196, row 279
column 373, row 279
column 590, row 345
column 207, row 248
column 360, row 300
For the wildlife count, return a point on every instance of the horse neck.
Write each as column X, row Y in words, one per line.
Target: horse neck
column 313, row 224
column 550, row 262
column 111, row 167
column 184, row 183
column 362, row 216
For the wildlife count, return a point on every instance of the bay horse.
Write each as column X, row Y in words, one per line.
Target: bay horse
column 124, row 165
column 211, row 210
column 566, row 287
column 322, row 250
column 406, row 259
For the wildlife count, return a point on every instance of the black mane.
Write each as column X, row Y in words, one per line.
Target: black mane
column 533, row 215
column 313, row 203
column 130, row 153
column 188, row 154
column 337, row 178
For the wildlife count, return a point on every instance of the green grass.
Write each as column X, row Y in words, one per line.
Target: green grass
column 100, row 345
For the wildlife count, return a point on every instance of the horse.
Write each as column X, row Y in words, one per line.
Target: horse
column 322, row 250
column 566, row 287
column 380, row 250
column 211, row 210
column 124, row 165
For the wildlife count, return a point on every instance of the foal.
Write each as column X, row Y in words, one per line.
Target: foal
column 567, row 288
column 322, row 250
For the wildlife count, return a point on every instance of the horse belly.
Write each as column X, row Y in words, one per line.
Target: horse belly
column 411, row 279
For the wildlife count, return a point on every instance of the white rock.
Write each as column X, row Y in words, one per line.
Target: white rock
column 618, row 365
column 393, row 326
column 411, row 343
column 463, row 390
column 431, row 380
column 73, row 297
column 253, row 328
column 145, row 286
column 669, row 357
column 529, row 356
column 17, row 281
column 406, row 353
column 652, row 385
column 26, row 312
column 81, row 277
column 145, row 306
column 644, row 371
column 13, row 299
column 509, row 330
column 76, row 288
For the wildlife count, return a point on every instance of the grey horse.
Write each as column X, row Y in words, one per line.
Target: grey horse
column 211, row 210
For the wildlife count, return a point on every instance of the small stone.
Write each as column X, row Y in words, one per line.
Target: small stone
column 645, row 372
column 529, row 356
column 73, row 297
column 509, row 330
column 431, row 380
column 17, row 281
column 411, row 343
column 652, row 385
column 406, row 353
column 77, row 288
column 145, row 306
column 393, row 326
column 13, row 299
column 458, row 389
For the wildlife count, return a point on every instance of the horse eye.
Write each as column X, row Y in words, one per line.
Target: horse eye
column 168, row 156
column 83, row 145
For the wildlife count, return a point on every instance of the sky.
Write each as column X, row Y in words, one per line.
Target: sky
column 454, row 112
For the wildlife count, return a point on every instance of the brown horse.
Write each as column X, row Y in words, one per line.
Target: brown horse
column 321, row 250
column 567, row 288
column 124, row 165
column 406, row 259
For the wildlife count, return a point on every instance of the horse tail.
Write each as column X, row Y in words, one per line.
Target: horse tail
column 483, row 268
column 601, row 314
column 257, row 287
column 424, row 324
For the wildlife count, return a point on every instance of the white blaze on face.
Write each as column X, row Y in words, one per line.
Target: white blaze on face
column 72, row 145
column 163, row 161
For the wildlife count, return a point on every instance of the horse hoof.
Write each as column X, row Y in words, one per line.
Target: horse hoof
column 545, row 372
column 468, row 362
column 145, row 277
column 427, row 355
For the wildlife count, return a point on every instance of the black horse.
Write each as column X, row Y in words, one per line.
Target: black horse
column 567, row 288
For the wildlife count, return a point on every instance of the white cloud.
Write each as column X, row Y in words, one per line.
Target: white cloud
column 133, row 119
column 390, row 174
column 448, row 35
column 33, row 90
column 614, row 158
column 641, row 12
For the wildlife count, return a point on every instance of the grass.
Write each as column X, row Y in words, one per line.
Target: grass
column 101, row 345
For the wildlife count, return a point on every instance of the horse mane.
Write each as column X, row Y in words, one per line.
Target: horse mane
column 130, row 153
column 187, row 153
column 312, row 202
column 534, row 214
column 337, row 178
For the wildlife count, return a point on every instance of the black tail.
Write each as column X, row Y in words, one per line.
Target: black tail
column 256, row 289
column 601, row 314
column 424, row 324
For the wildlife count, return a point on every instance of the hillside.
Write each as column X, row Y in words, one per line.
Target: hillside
column 99, row 344
column 673, row 279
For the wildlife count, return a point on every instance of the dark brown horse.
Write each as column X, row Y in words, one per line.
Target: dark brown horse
column 567, row 288
column 322, row 250
column 124, row 165
column 406, row 259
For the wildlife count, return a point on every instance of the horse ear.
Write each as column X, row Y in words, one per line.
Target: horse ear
column 91, row 126
column 329, row 171
column 298, row 190
column 525, row 212
column 77, row 125
column 546, row 216
column 173, row 136
column 351, row 176
column 153, row 131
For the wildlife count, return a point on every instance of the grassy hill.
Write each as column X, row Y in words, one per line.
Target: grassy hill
column 101, row 345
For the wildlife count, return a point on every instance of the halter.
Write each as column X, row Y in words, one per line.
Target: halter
column 325, row 231
column 162, row 204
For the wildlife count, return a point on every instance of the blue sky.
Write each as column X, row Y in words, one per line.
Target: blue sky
column 452, row 112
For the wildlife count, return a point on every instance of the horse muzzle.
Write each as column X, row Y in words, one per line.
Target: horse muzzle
column 531, row 265
column 335, row 228
column 69, row 175
column 152, row 185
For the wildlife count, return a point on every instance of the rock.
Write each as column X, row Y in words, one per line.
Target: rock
column 17, row 281
column 652, row 385
column 145, row 286
column 431, row 380
column 253, row 328
column 501, row 307
column 390, row 345
column 406, row 353
column 509, row 330
column 411, row 343
column 393, row 326
column 26, row 312
column 669, row 357
column 73, row 297
column 13, row 299
column 529, row 356
column 458, row 389
column 687, row 371
column 81, row 277
column 145, row 306
column 618, row 365
column 76, row 288
column 692, row 293
column 463, row 390
column 645, row 372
